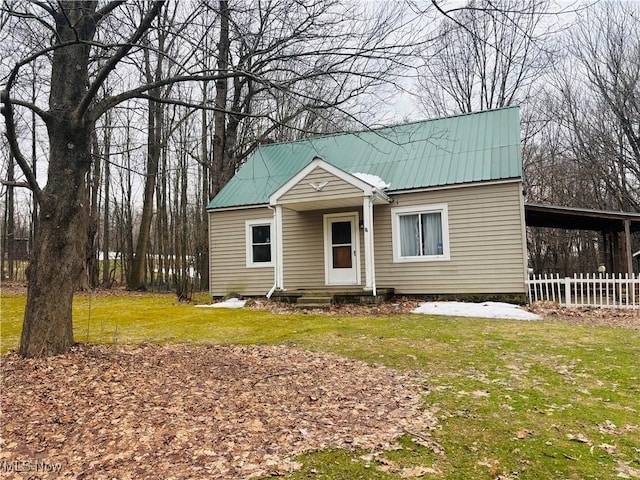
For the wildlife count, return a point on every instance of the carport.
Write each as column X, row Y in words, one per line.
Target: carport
column 615, row 227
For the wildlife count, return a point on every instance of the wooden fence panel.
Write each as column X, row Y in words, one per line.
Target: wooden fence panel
column 586, row 290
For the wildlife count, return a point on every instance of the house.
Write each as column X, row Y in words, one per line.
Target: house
column 427, row 208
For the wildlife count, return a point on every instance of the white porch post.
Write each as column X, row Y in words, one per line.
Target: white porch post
column 279, row 266
column 369, row 260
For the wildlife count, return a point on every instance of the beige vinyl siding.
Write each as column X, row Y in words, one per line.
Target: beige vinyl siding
column 486, row 243
column 303, row 247
column 228, row 270
column 304, row 192
column 486, row 238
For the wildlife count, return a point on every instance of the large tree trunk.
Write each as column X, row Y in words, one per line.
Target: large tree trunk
column 58, row 250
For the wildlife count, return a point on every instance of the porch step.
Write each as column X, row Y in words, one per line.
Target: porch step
column 315, row 301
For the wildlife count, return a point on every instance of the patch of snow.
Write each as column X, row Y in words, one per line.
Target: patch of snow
column 229, row 303
column 374, row 180
column 481, row 310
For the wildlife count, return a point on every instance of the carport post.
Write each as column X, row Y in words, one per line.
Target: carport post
column 627, row 244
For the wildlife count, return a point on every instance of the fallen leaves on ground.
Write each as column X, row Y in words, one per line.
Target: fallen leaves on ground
column 627, row 471
column 395, row 306
column 578, row 437
column 180, row 411
column 609, row 317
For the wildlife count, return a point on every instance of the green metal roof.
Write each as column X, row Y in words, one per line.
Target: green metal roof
column 465, row 148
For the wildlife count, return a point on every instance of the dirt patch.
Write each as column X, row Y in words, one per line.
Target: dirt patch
column 180, row 411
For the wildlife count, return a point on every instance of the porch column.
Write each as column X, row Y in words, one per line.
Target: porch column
column 369, row 260
column 279, row 266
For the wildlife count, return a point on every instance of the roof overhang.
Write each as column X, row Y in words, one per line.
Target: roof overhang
column 580, row 218
column 362, row 189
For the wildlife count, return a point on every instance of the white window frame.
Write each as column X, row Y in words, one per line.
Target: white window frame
column 249, row 224
column 397, row 212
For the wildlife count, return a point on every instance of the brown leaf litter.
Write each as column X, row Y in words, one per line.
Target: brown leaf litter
column 183, row 412
column 597, row 317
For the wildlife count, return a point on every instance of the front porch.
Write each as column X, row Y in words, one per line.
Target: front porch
column 324, row 298
column 345, row 234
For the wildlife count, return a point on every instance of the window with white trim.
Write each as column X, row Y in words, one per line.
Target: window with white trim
column 420, row 233
column 259, row 243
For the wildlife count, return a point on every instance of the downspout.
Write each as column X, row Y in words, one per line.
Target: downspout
column 275, row 265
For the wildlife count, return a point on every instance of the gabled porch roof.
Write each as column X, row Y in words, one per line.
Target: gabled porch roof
column 322, row 186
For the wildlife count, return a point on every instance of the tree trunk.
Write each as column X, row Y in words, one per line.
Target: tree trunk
column 58, row 250
column 219, row 117
column 92, row 267
column 137, row 275
column 34, row 158
column 106, row 271
column 202, row 226
column 9, row 229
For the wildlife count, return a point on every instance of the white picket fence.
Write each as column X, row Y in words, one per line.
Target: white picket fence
column 586, row 290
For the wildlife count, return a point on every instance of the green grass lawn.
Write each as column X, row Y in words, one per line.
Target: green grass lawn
column 514, row 399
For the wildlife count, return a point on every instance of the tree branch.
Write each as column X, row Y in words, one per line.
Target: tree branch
column 45, row 7
column 107, row 9
column 7, row 111
column 115, row 59
column 44, row 115
column 14, row 184
column 110, row 102
column 32, row 16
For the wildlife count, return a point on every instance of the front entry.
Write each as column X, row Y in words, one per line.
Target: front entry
column 341, row 249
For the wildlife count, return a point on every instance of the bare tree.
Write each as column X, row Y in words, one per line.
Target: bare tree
column 58, row 251
column 599, row 104
column 87, row 44
column 487, row 56
column 162, row 47
column 106, row 211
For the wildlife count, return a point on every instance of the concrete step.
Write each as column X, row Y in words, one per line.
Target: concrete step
column 312, row 306
column 314, row 302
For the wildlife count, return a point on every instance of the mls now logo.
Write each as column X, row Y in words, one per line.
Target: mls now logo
column 19, row 466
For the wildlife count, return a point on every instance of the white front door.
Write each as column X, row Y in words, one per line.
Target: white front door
column 342, row 249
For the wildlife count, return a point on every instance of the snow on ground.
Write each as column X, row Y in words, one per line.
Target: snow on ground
column 482, row 310
column 229, row 303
